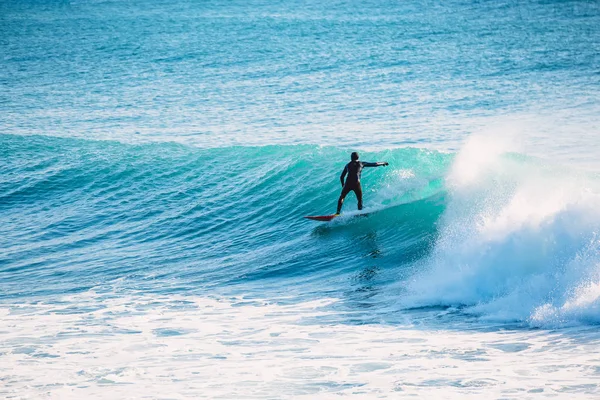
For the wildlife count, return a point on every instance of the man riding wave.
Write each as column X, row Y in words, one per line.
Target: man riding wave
column 353, row 169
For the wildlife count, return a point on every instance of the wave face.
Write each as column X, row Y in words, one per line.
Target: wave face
column 486, row 231
column 79, row 214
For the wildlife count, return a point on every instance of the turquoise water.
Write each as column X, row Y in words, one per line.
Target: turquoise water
column 165, row 217
column 157, row 158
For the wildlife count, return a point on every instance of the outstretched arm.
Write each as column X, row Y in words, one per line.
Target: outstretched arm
column 375, row 164
column 343, row 175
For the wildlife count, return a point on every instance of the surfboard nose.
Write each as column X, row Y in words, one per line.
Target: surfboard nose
column 324, row 218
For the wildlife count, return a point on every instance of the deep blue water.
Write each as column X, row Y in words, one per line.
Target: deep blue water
column 342, row 73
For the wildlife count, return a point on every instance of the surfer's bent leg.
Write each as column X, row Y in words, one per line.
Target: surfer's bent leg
column 358, row 192
column 345, row 191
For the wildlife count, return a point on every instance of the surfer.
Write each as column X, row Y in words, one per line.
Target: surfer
column 353, row 170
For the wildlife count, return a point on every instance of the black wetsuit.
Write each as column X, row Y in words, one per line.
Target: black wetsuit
column 353, row 169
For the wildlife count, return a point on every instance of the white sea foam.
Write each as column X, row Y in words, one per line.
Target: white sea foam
column 518, row 241
column 172, row 347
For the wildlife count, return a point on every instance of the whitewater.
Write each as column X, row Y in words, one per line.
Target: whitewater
column 157, row 158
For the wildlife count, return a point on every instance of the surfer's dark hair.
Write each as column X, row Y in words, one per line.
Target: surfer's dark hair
column 354, row 156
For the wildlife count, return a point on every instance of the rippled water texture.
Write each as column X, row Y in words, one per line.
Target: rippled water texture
column 375, row 73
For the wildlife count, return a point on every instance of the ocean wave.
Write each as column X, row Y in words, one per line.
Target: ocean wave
column 175, row 217
column 500, row 235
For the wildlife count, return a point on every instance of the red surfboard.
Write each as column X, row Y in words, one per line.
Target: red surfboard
column 325, row 218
